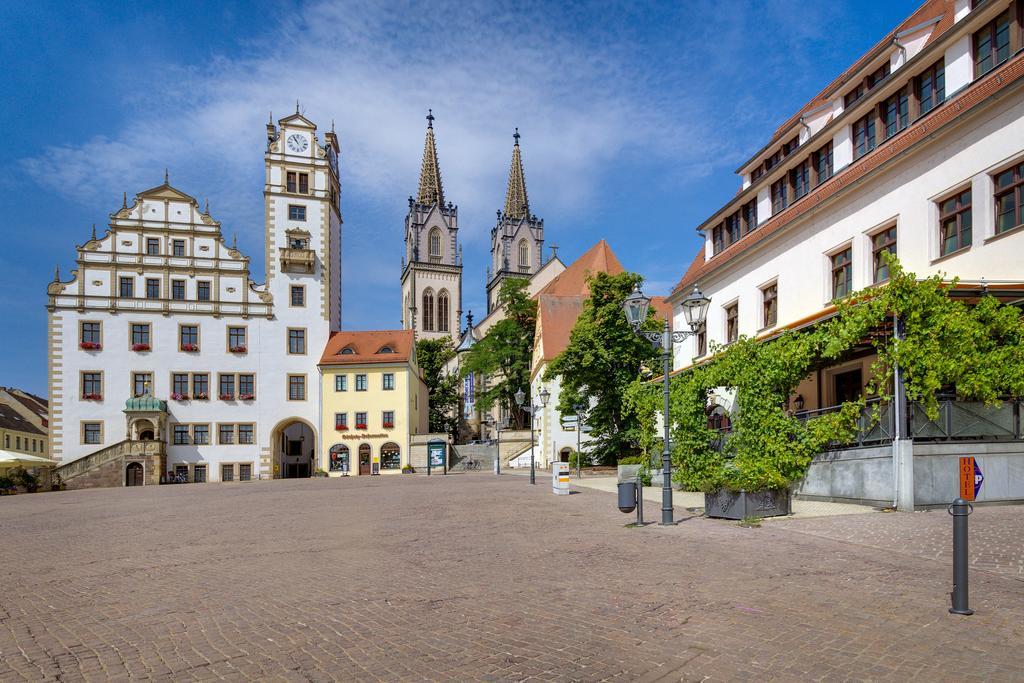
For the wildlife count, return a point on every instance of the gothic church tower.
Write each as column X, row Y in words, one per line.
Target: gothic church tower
column 432, row 264
column 517, row 240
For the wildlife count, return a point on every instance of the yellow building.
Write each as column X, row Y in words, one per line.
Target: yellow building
column 372, row 400
column 22, row 446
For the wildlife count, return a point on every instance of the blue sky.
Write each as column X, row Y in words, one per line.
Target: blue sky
column 633, row 121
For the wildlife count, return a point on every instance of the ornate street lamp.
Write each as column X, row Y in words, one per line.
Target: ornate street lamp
column 695, row 310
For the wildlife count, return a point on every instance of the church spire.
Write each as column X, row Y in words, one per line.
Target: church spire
column 516, row 203
column 430, row 191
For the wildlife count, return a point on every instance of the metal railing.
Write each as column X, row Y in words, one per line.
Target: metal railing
column 957, row 420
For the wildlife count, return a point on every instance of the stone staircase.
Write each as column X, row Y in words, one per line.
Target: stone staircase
column 106, row 467
column 481, row 453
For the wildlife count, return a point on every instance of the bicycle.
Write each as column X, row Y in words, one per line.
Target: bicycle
column 471, row 464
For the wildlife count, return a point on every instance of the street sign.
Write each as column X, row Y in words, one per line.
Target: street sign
column 569, row 419
column 971, row 478
column 586, row 429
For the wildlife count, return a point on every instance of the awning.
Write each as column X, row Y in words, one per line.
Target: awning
column 12, row 458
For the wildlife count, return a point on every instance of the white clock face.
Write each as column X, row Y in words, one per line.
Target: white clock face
column 297, row 143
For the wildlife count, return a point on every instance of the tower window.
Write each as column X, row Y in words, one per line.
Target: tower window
column 442, row 312
column 524, row 254
column 296, row 213
column 298, row 182
column 428, row 311
column 435, row 243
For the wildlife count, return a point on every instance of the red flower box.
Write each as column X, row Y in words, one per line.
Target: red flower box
column 359, row 426
column 227, row 397
column 92, row 397
column 246, row 397
column 238, row 349
column 341, row 428
column 191, row 348
column 140, row 347
column 90, row 346
column 389, row 425
column 179, row 397
column 201, row 397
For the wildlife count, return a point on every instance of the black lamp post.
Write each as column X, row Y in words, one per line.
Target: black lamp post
column 497, row 425
column 695, row 310
column 532, row 410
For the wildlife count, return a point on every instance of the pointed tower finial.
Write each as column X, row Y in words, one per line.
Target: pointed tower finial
column 271, row 120
column 234, row 241
column 332, row 125
column 167, row 177
column 56, row 274
column 430, row 191
column 206, row 208
column 94, row 231
column 296, row 106
column 124, row 201
column 469, row 320
column 516, row 203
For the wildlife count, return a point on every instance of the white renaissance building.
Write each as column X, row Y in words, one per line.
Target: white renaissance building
column 917, row 150
column 167, row 359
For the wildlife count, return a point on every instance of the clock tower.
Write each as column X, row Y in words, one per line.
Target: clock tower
column 302, row 200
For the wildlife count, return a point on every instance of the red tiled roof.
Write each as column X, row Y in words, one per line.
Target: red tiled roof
column 556, row 316
column 366, row 347
column 573, row 280
column 949, row 111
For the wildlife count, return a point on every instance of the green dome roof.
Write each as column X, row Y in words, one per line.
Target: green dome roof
column 145, row 403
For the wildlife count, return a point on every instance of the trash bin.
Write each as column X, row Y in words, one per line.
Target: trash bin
column 627, row 496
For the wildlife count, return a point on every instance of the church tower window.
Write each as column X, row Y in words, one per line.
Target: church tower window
column 428, row 311
column 524, row 254
column 442, row 311
column 435, row 243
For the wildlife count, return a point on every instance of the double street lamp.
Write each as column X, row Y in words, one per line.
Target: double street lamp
column 695, row 310
column 532, row 410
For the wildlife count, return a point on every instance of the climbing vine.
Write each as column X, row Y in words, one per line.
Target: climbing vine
column 976, row 348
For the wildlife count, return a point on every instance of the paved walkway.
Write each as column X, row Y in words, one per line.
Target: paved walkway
column 694, row 502
column 478, row 577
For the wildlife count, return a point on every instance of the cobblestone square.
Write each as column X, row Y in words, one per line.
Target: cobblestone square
column 472, row 577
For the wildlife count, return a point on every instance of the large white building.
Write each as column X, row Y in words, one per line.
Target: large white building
column 916, row 149
column 165, row 356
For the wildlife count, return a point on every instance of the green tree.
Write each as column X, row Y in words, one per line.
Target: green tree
column 433, row 355
column 506, row 351
column 603, row 358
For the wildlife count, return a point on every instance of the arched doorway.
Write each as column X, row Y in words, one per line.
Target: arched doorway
column 364, row 458
column 339, row 458
column 390, row 457
column 565, row 454
column 294, row 444
column 133, row 474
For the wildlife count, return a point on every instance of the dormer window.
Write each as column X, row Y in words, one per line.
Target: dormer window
column 348, row 351
column 386, row 349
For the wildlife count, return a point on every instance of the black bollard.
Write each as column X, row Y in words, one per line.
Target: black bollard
column 960, row 509
column 639, row 501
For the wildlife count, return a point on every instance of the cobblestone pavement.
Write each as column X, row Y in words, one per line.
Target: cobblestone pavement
column 996, row 536
column 469, row 578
